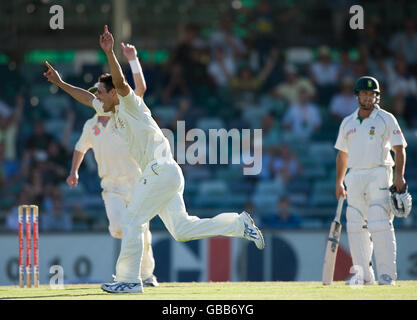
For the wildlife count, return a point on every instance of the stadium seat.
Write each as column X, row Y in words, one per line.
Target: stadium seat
column 269, row 187
column 214, row 187
column 230, row 173
column 298, row 199
column 265, row 203
column 315, row 171
column 324, row 186
column 74, row 194
column 196, row 172
column 323, row 199
column 211, row 194
column 311, row 223
column 324, row 151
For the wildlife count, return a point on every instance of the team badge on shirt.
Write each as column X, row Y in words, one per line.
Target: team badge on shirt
column 372, row 131
column 96, row 130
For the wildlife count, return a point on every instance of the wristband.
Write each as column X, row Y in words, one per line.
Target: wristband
column 135, row 66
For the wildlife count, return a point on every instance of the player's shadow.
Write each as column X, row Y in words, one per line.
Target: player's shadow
column 65, row 296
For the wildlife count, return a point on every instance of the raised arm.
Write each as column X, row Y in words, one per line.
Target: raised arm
column 79, row 94
column 129, row 51
column 119, row 81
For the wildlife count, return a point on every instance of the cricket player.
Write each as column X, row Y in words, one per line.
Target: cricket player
column 364, row 143
column 161, row 185
column 117, row 169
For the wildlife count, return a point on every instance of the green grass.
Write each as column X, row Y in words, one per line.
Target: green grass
column 404, row 290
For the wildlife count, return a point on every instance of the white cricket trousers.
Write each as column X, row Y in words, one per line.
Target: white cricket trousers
column 160, row 191
column 116, row 206
column 369, row 221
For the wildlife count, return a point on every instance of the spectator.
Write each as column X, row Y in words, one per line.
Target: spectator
column 398, row 110
column 288, row 90
column 175, row 86
column 55, row 217
column 271, row 135
column 324, row 74
column 185, row 68
column 57, row 162
column 26, row 196
column 372, row 38
column 223, row 37
column 302, row 119
column 246, row 85
column 221, row 68
column 9, row 125
column 379, row 65
column 343, row 103
column 360, row 68
column 40, row 139
column 185, row 112
column 8, row 169
column 285, row 165
column 284, row 218
column 402, row 82
column 345, row 65
column 404, row 43
column 263, row 22
column 339, row 17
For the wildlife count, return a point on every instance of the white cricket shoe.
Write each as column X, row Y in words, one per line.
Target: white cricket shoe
column 151, row 282
column 386, row 280
column 122, row 287
column 252, row 232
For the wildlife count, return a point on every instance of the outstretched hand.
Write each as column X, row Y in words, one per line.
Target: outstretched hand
column 51, row 74
column 129, row 51
column 106, row 40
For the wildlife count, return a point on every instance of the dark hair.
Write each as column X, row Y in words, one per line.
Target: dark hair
column 107, row 80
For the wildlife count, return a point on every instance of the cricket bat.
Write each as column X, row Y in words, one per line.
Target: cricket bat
column 332, row 246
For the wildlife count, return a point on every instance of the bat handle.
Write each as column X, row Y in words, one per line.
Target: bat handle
column 339, row 209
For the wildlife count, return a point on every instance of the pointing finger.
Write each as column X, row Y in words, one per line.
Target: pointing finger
column 106, row 29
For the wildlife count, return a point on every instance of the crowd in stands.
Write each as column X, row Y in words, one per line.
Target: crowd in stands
column 240, row 83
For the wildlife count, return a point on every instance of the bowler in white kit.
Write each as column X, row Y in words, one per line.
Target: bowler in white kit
column 364, row 143
column 117, row 169
column 160, row 188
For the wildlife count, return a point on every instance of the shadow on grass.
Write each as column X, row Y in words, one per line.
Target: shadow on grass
column 55, row 296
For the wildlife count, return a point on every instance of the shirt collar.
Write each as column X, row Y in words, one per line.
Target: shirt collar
column 372, row 115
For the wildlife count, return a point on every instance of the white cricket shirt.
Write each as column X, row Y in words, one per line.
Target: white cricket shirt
column 110, row 151
column 138, row 129
column 368, row 142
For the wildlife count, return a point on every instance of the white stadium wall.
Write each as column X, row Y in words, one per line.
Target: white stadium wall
column 288, row 256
